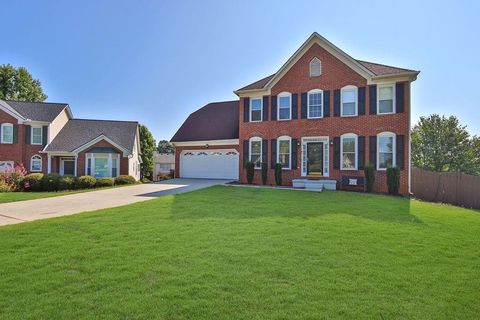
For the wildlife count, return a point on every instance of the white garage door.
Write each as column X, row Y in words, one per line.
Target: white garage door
column 209, row 164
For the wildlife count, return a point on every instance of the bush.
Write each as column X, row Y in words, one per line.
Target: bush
column 33, row 182
column 124, row 179
column 369, row 171
column 172, row 173
column 163, row 176
column 145, row 180
column 264, row 172
column 50, row 182
column 393, row 180
column 250, row 166
column 105, row 182
column 278, row 174
column 12, row 179
column 67, row 183
column 4, row 187
column 86, row 182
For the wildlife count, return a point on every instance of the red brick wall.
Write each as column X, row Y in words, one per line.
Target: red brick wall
column 335, row 75
column 103, row 143
column 178, row 151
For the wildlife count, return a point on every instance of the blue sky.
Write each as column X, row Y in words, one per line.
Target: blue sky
column 158, row 61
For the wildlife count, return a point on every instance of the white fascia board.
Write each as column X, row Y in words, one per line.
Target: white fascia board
column 205, row 142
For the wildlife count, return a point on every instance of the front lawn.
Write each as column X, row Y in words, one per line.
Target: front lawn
column 246, row 253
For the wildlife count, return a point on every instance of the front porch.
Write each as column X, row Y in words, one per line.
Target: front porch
column 315, row 184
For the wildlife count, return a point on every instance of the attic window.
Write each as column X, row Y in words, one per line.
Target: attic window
column 315, row 67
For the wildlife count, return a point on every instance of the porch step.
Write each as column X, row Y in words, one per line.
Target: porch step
column 310, row 184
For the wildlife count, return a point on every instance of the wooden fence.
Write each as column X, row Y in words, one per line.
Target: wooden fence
column 448, row 187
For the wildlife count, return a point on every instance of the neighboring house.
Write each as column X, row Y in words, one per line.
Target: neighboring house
column 164, row 163
column 323, row 115
column 45, row 137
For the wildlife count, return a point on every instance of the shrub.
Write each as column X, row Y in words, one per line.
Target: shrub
column 163, row 176
column 67, row 183
column 264, row 172
column 33, row 182
column 124, row 179
column 50, row 182
column 393, row 180
column 4, row 187
column 105, row 182
column 369, row 171
column 250, row 166
column 86, row 182
column 13, row 178
column 278, row 174
column 172, row 173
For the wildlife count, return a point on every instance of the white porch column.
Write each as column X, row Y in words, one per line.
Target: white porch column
column 49, row 161
column 75, row 168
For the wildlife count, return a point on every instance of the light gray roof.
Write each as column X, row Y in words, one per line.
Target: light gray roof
column 37, row 111
column 78, row 132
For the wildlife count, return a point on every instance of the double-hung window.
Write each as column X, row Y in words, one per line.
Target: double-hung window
column 256, row 151
column 37, row 135
column 349, row 151
column 349, row 101
column 256, row 109
column 284, row 154
column 284, row 106
column 315, row 98
column 386, row 99
column 385, row 150
column 7, row 133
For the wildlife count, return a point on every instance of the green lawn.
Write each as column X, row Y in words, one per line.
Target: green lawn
column 246, row 253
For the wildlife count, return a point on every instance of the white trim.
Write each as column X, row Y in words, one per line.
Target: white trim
column 4, row 125
column 255, row 139
column 308, row 103
column 49, row 163
column 206, row 142
column 281, row 95
column 12, row 112
column 326, row 154
column 285, row 138
column 384, row 85
column 315, row 59
column 261, row 109
column 101, row 137
column 41, row 135
column 31, row 163
column 343, row 136
column 349, row 88
column 394, row 148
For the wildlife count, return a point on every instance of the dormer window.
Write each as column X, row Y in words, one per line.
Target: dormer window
column 315, row 67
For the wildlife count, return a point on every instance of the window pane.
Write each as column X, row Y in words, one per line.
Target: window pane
column 284, row 146
column 284, row 102
column 256, row 146
column 7, row 134
column 348, row 96
column 385, row 93
column 37, row 135
column 284, row 113
column 385, row 144
column 385, row 106
column 101, row 168
column 348, row 161
column 385, row 160
column 256, row 115
column 315, row 99
column 284, row 160
column 89, row 167
column 348, row 144
column 256, row 104
column 114, row 168
column 348, row 109
column 255, row 158
column 314, row 112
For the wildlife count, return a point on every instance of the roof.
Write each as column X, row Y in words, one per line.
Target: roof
column 368, row 69
column 215, row 121
column 37, row 111
column 78, row 132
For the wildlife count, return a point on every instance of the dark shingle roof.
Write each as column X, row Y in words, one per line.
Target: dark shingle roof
column 258, row 84
column 37, row 111
column 78, row 132
column 215, row 121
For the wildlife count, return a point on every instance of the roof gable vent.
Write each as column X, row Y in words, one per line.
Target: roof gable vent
column 315, row 67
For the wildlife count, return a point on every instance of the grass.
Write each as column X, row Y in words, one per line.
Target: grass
column 245, row 253
column 22, row 196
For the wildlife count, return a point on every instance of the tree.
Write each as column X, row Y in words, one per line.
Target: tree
column 147, row 145
column 165, row 146
column 18, row 84
column 442, row 144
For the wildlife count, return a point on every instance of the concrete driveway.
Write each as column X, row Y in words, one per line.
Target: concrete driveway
column 22, row 211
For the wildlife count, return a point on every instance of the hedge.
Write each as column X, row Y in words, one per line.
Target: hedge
column 33, row 182
column 105, row 182
column 124, row 179
column 86, row 182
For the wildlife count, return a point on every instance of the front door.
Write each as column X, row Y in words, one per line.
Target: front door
column 315, row 158
column 67, row 166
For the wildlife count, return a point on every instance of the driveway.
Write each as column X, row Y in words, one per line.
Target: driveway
column 22, row 211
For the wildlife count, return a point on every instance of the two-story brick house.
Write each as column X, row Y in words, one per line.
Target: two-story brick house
column 323, row 115
column 45, row 137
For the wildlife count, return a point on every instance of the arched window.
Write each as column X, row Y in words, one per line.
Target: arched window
column 315, row 67
column 284, row 106
column 284, row 151
column 36, row 163
column 255, row 152
column 7, row 133
column 386, row 150
column 349, row 101
column 315, row 104
column 349, row 151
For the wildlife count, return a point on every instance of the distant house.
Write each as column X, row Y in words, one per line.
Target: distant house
column 163, row 163
column 45, row 137
column 322, row 116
